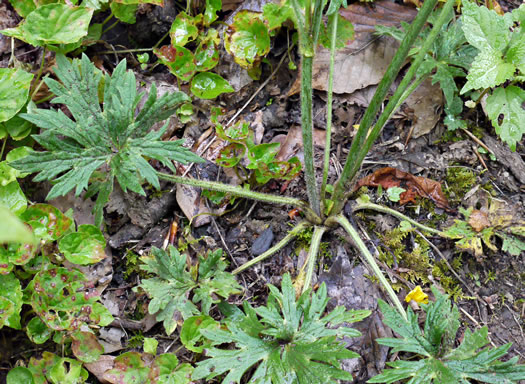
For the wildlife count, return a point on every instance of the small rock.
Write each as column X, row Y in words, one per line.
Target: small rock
column 263, row 242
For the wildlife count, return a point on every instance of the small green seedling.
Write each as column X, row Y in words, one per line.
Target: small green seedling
column 169, row 289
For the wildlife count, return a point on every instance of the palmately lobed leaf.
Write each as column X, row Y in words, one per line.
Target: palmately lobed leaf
column 111, row 136
column 287, row 341
column 439, row 361
column 174, row 284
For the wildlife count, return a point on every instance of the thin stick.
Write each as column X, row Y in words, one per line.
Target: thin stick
column 478, row 141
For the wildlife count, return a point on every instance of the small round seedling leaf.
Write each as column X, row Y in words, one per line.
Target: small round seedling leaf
column 14, row 91
column 53, row 24
column 86, row 347
column 247, row 39
column 86, row 246
column 12, row 197
column 208, row 85
column 184, row 29
column 20, row 375
column 150, row 345
column 179, row 60
column 37, row 331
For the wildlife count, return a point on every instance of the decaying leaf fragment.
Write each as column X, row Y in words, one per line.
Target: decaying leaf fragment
column 480, row 227
column 415, row 186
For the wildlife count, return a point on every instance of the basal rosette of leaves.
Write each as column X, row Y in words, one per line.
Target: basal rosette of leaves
column 178, row 288
column 113, row 138
column 440, row 362
column 287, row 341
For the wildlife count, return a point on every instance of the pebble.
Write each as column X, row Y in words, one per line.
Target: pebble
column 263, row 242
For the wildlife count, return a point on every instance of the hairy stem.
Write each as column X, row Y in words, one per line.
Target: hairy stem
column 400, row 216
column 312, row 255
column 241, row 192
column 326, row 164
column 352, row 164
column 307, row 132
column 371, row 261
column 277, row 247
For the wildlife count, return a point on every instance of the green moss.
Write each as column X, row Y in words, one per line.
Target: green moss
column 459, row 180
column 133, row 265
column 412, row 256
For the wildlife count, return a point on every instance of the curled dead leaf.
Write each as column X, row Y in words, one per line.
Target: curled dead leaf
column 415, row 186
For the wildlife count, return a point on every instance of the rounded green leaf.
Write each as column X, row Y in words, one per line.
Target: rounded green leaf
column 208, row 85
column 212, row 7
column 86, row 246
column 247, row 39
column 124, row 12
column 128, row 368
column 20, row 375
column 37, row 331
column 179, row 60
column 53, row 24
column 10, row 301
column 190, row 334
column 86, row 347
column 207, row 53
column 150, row 345
column 184, row 29
column 68, row 371
column 12, row 197
column 14, row 91
column 65, row 300
column 48, row 222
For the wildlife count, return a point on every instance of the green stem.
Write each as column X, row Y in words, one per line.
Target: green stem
column 371, row 261
column 326, row 164
column 40, row 70
column 300, row 25
column 312, row 255
column 307, row 130
column 400, row 216
column 161, row 39
column 106, row 20
column 110, row 27
column 277, row 247
column 352, row 164
column 4, row 141
column 241, row 192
